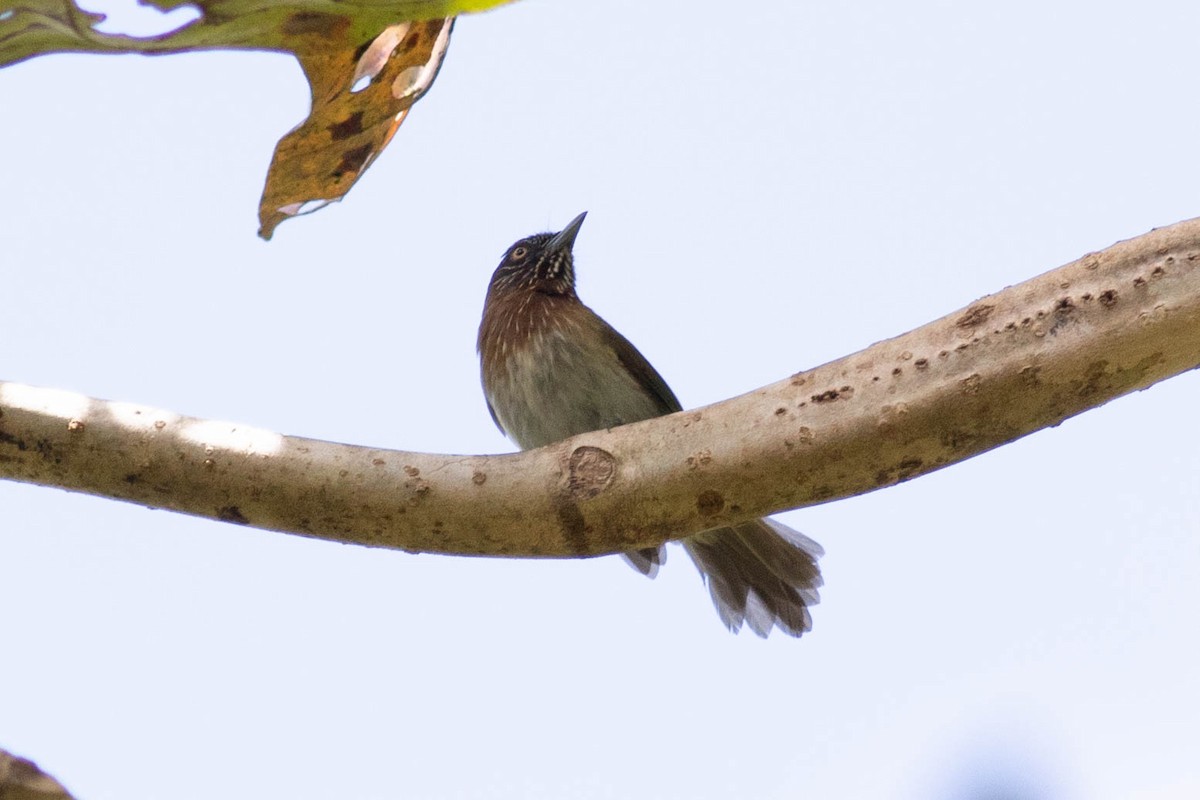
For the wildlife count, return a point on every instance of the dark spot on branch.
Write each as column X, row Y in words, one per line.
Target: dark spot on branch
column 899, row 473
column 1095, row 379
column 844, row 393
column 573, row 525
column 1147, row 363
column 1062, row 315
column 1108, row 298
column 710, row 503
column 8, row 438
column 479, row 478
column 957, row 439
column 232, row 514
column 975, row 315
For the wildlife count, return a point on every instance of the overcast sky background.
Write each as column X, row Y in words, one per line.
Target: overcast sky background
column 765, row 192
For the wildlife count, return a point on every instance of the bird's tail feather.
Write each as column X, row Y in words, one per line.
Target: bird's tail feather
column 647, row 560
column 761, row 572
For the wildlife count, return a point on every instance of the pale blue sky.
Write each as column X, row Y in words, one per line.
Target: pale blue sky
column 765, row 192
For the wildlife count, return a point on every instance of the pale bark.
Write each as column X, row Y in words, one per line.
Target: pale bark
column 1009, row 364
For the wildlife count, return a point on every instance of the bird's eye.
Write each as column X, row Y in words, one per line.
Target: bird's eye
column 519, row 253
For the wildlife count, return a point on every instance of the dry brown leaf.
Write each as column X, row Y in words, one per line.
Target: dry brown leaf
column 389, row 50
column 319, row 161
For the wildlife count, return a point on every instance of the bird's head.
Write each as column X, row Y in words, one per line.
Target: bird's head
column 541, row 263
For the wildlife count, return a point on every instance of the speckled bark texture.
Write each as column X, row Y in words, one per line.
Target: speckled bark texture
column 1008, row 364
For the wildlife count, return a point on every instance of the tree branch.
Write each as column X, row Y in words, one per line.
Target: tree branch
column 1009, row 364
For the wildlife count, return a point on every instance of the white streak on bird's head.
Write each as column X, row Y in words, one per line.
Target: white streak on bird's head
column 542, row 263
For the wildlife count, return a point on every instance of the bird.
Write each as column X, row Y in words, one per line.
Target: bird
column 551, row 368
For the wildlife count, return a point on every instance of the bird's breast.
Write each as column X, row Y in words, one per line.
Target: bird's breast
column 550, row 375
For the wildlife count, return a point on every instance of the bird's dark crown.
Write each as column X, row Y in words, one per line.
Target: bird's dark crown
column 530, row 264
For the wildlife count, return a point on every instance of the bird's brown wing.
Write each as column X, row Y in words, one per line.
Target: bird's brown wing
column 647, row 560
column 645, row 374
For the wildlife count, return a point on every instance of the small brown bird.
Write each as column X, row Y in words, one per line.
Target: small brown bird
column 552, row 368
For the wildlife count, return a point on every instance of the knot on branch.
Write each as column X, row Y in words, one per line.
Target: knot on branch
column 589, row 472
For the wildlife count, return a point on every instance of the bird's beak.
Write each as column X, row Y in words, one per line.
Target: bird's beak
column 565, row 239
